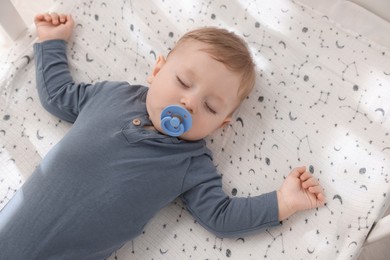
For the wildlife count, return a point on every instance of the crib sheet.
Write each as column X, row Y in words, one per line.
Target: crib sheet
column 321, row 100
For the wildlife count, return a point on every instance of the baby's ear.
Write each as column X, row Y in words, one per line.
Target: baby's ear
column 157, row 67
column 225, row 122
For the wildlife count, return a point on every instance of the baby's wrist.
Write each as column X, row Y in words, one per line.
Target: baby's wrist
column 51, row 39
column 285, row 210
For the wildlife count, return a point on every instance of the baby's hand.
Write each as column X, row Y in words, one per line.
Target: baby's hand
column 54, row 26
column 299, row 191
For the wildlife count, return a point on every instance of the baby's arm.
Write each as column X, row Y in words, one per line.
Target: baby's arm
column 58, row 92
column 227, row 217
column 299, row 191
column 54, row 26
column 219, row 213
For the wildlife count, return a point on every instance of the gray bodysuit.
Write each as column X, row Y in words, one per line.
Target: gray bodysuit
column 109, row 175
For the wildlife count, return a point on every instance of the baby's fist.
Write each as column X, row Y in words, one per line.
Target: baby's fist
column 298, row 192
column 52, row 26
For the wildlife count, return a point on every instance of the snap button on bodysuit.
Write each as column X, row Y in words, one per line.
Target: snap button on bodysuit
column 136, row 122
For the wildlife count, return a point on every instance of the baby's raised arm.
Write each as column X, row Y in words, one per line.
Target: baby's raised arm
column 53, row 26
column 59, row 93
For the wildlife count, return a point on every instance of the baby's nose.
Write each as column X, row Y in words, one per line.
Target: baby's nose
column 189, row 103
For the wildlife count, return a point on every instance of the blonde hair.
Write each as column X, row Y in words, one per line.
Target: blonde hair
column 231, row 50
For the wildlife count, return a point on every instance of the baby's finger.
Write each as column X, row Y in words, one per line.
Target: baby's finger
column 54, row 18
column 38, row 18
column 62, row 18
column 69, row 21
column 47, row 17
column 304, row 176
column 301, row 169
column 316, row 189
column 321, row 198
column 309, row 182
column 296, row 172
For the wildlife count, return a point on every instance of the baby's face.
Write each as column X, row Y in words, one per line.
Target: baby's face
column 191, row 78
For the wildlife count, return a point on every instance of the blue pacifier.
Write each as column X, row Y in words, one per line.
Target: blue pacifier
column 175, row 120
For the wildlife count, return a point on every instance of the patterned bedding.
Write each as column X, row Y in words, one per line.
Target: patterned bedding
column 321, row 100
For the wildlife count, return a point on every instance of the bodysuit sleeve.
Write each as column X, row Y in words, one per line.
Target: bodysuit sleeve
column 222, row 215
column 58, row 93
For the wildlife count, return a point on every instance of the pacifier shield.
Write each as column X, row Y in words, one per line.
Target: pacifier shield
column 175, row 120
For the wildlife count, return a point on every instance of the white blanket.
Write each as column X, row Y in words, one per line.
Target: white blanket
column 321, row 100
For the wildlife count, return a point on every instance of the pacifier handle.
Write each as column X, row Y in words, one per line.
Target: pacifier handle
column 175, row 120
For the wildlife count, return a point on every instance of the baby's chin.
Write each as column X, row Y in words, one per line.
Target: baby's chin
column 191, row 136
column 185, row 137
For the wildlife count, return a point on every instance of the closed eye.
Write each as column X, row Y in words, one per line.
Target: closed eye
column 181, row 82
column 209, row 109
